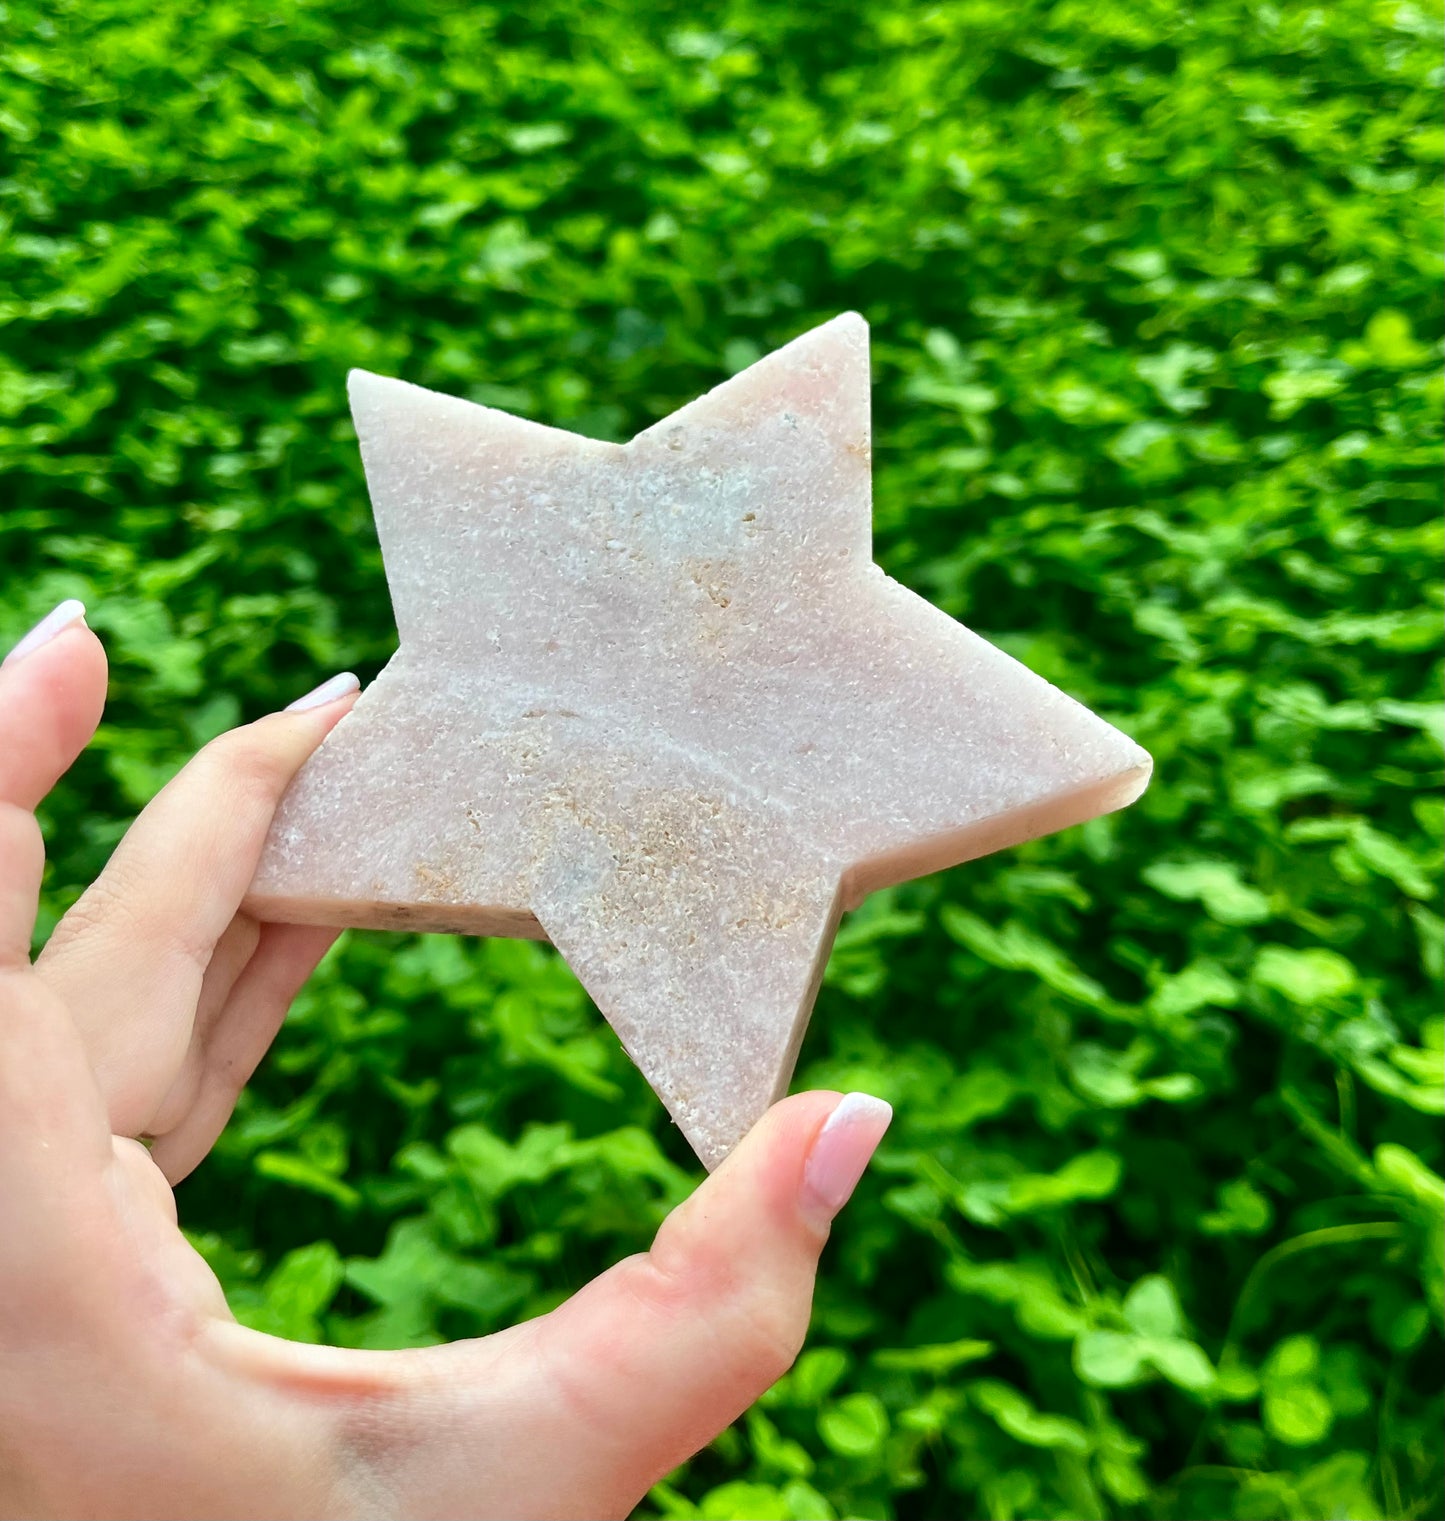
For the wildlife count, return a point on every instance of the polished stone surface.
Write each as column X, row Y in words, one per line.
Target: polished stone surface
column 654, row 702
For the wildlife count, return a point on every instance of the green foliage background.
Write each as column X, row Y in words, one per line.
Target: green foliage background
column 1154, row 288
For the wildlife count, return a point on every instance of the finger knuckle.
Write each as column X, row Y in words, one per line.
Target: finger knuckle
column 107, row 906
column 759, row 1328
column 114, row 915
column 247, row 766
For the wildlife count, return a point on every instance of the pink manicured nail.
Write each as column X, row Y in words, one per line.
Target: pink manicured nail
column 843, row 1149
column 53, row 623
column 339, row 686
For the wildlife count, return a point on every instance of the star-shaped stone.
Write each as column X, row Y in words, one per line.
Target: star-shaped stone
column 655, row 703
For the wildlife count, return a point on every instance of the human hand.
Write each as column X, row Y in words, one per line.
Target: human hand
column 126, row 1387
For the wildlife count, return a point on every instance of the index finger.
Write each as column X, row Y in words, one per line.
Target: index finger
column 52, row 690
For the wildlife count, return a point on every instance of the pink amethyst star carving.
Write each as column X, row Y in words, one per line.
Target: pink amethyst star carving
column 655, row 703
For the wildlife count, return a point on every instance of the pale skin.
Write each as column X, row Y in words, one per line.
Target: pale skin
column 126, row 1387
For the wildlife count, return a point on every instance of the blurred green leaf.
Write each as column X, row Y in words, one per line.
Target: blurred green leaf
column 1152, row 1307
column 940, row 1358
column 1215, row 884
column 1016, row 1416
column 1110, row 1359
column 854, row 1426
column 1304, row 977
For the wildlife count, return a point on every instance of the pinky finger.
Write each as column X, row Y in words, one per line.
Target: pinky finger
column 285, row 956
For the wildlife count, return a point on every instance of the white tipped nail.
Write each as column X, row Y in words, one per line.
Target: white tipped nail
column 854, row 1108
column 53, row 623
column 329, row 691
column 844, row 1146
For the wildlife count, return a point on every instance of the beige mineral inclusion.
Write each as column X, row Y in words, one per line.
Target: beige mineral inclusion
column 655, row 703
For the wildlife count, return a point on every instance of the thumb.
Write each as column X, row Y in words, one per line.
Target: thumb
column 654, row 1358
column 580, row 1412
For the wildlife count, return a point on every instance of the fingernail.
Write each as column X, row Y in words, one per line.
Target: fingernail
column 339, row 686
column 53, row 623
column 843, row 1149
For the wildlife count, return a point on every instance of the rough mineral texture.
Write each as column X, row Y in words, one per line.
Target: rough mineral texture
column 655, row 703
